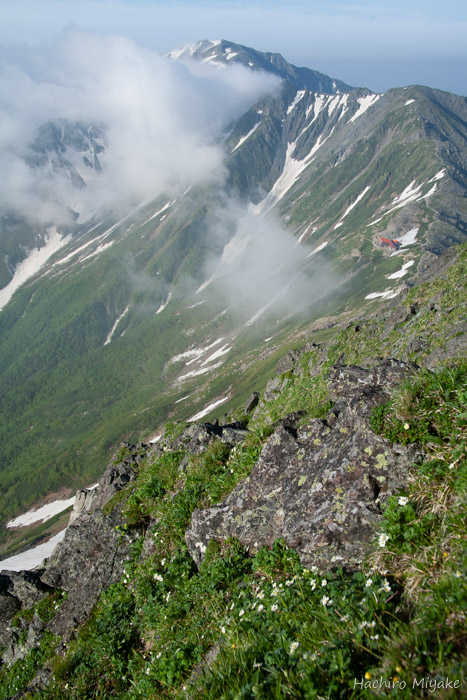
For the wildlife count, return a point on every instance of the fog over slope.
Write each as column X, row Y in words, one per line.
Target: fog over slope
column 160, row 121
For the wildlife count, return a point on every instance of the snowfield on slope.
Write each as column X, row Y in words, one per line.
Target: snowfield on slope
column 41, row 514
column 32, row 557
column 208, row 409
column 34, row 262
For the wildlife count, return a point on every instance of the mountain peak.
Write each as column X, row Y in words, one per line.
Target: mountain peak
column 221, row 52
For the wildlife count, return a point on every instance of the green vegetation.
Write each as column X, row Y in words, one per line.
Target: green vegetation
column 263, row 626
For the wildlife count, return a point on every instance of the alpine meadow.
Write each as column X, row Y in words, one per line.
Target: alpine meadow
column 232, row 359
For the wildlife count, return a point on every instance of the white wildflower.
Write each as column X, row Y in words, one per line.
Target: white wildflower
column 403, row 500
column 274, row 607
column 293, row 648
column 383, row 538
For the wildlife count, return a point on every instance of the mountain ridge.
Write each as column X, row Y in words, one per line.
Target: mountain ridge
column 221, row 52
column 324, row 168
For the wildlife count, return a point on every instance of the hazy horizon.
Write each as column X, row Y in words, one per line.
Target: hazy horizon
column 367, row 44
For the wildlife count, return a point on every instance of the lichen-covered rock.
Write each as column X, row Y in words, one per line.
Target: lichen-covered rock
column 25, row 586
column 320, row 487
column 195, row 438
column 83, row 502
column 92, row 555
column 251, row 402
column 117, row 476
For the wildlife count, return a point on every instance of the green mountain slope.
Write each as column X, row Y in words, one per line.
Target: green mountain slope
column 120, row 330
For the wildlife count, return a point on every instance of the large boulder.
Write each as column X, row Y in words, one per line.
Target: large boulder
column 321, row 486
column 92, row 555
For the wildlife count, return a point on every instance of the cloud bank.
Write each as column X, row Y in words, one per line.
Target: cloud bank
column 159, row 123
column 262, row 269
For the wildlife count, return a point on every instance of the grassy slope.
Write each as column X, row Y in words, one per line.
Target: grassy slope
column 69, row 400
column 275, row 629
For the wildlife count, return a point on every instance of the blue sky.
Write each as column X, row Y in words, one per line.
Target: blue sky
column 374, row 44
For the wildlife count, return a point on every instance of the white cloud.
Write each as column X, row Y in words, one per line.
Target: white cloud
column 261, row 268
column 161, row 120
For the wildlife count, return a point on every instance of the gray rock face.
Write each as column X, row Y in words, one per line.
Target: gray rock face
column 115, row 478
column 196, row 437
column 319, row 487
column 251, row 402
column 89, row 560
column 83, row 503
column 19, row 589
column 91, row 556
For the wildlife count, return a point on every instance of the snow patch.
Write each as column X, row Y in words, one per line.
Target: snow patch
column 163, row 305
column 164, row 208
column 247, row 136
column 365, row 103
column 197, row 372
column 349, row 209
column 198, row 303
column 409, row 102
column 296, row 100
column 290, row 174
column 208, row 409
column 402, row 271
column 316, row 250
column 193, row 354
column 109, row 337
column 264, row 308
column 388, row 294
column 41, row 514
column 429, row 193
column 34, row 262
column 32, row 557
column 408, row 238
column 302, row 236
column 218, row 353
column 319, row 104
column 438, row 175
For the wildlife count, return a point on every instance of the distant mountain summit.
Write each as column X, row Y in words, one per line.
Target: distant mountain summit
column 221, row 53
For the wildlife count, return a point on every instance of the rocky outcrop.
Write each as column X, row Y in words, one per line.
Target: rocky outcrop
column 19, row 590
column 92, row 555
column 321, row 486
column 83, row 503
column 88, row 560
column 196, row 437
